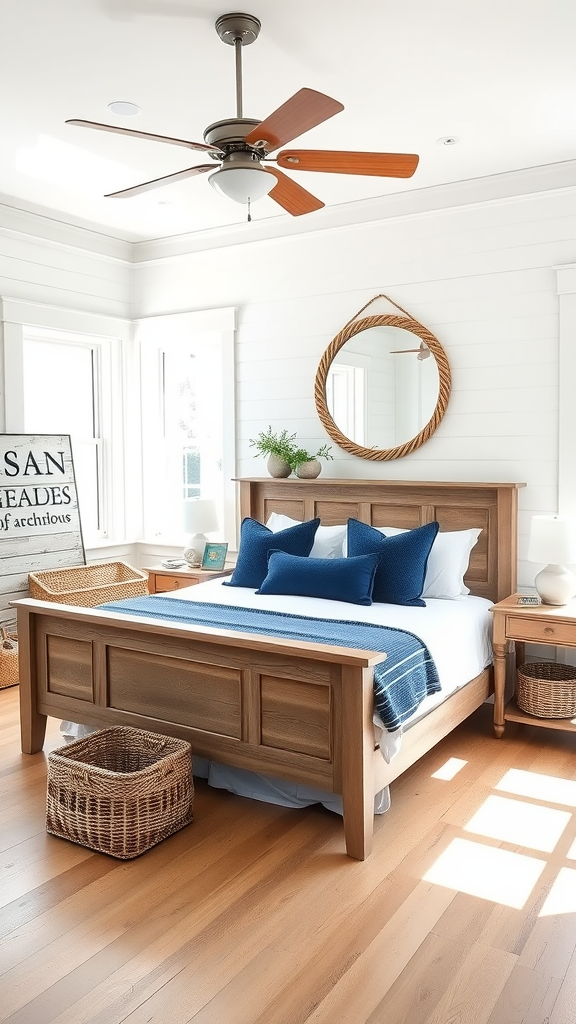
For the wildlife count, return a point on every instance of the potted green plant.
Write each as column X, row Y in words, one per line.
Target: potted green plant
column 280, row 449
column 307, row 466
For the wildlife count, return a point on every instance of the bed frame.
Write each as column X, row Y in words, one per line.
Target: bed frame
column 302, row 713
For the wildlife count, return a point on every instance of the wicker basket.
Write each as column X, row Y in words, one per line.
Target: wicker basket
column 88, row 585
column 120, row 791
column 8, row 658
column 547, row 689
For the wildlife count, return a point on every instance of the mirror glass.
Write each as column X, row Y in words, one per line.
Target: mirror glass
column 382, row 387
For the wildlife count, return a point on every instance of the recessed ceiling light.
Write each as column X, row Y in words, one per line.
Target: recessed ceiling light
column 448, row 140
column 124, row 107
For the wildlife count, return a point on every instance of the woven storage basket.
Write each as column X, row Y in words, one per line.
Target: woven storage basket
column 120, row 791
column 8, row 658
column 547, row 689
column 88, row 585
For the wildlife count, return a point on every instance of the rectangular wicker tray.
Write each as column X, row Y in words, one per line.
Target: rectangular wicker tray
column 88, row 585
column 120, row 790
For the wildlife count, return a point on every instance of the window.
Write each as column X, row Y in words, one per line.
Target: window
column 345, row 397
column 62, row 385
column 188, row 422
column 66, row 371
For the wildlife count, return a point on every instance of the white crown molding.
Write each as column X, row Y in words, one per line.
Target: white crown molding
column 496, row 188
column 53, row 228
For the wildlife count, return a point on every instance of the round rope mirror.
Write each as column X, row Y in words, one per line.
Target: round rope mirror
column 382, row 386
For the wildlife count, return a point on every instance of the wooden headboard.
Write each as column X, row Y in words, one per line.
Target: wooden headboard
column 456, row 506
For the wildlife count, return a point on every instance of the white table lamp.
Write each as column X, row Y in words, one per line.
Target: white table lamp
column 553, row 541
column 200, row 518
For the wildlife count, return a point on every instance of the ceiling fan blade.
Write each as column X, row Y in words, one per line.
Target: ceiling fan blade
column 291, row 196
column 386, row 165
column 306, row 109
column 168, row 179
column 144, row 135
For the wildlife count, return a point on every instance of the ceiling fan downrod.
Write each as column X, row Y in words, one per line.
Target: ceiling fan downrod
column 238, row 30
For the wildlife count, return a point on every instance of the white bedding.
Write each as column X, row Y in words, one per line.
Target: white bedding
column 457, row 634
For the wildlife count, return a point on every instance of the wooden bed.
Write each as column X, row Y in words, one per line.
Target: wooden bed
column 258, row 702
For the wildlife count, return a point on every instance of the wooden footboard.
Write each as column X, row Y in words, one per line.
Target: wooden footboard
column 254, row 702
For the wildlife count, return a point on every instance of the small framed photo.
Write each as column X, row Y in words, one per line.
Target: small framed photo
column 214, row 556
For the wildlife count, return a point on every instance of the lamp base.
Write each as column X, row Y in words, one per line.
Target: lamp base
column 194, row 550
column 555, row 585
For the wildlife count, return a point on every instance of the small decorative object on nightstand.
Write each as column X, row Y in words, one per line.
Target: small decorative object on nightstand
column 214, row 557
column 553, row 541
column 200, row 518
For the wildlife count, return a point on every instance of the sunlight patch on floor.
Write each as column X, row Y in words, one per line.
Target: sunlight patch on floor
column 562, row 896
column 539, row 787
column 449, row 769
column 520, row 823
column 487, row 872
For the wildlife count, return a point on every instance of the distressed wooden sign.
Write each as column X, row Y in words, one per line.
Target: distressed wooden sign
column 39, row 517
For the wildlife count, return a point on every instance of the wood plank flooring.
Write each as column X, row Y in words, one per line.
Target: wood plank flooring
column 464, row 914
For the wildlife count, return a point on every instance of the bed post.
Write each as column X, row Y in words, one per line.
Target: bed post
column 32, row 723
column 357, row 745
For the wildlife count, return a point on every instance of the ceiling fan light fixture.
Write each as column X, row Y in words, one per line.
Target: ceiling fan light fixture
column 243, row 184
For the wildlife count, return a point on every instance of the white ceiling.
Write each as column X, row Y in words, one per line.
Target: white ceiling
column 500, row 75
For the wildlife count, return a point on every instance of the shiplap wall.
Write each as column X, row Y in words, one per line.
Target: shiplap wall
column 47, row 261
column 480, row 276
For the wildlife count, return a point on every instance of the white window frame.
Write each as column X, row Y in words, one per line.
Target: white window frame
column 353, row 373
column 111, row 337
column 155, row 336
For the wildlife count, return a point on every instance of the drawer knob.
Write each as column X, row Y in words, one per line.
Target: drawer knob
column 549, row 630
column 176, row 584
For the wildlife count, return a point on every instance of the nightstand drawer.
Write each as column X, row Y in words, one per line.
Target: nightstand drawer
column 167, row 583
column 540, row 631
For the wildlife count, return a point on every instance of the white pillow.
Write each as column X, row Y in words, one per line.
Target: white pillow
column 328, row 540
column 447, row 562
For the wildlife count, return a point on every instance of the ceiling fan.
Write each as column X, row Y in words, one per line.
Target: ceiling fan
column 242, row 146
column 422, row 350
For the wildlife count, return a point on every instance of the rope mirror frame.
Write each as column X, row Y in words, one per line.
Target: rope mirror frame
column 353, row 327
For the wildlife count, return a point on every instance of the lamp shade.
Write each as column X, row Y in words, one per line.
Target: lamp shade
column 243, row 184
column 552, row 540
column 200, row 515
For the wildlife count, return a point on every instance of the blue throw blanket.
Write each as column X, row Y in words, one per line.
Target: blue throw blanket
column 400, row 683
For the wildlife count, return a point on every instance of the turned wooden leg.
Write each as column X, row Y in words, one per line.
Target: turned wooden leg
column 499, row 688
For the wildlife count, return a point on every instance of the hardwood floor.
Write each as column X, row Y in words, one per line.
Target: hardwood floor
column 465, row 912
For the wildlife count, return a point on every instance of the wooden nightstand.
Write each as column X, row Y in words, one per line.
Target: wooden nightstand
column 541, row 624
column 161, row 580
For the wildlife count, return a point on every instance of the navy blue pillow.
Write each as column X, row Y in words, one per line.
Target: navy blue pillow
column 337, row 579
column 256, row 541
column 403, row 560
